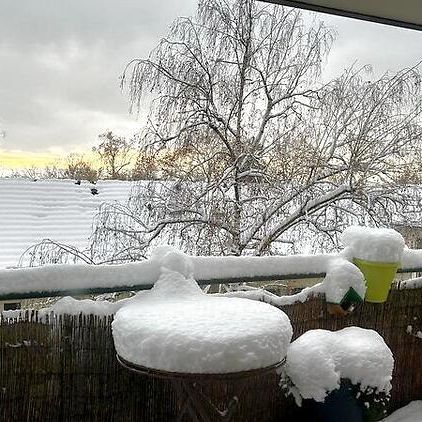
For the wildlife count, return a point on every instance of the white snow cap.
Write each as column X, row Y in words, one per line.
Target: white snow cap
column 176, row 327
column 172, row 286
column 373, row 244
column 318, row 359
column 171, row 259
column 341, row 276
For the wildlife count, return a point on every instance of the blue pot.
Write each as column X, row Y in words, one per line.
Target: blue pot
column 339, row 405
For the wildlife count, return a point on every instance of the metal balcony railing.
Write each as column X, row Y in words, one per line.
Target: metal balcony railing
column 74, row 280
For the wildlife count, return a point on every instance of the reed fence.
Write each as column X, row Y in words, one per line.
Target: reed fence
column 64, row 368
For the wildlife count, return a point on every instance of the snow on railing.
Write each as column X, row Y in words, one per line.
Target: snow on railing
column 67, row 279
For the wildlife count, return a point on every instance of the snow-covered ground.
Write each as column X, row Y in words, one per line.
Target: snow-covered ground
column 61, row 210
column 410, row 413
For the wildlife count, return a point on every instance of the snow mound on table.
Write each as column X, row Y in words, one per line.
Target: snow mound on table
column 410, row 413
column 318, row 359
column 172, row 259
column 373, row 244
column 181, row 329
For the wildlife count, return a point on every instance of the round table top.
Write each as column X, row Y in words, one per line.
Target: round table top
column 201, row 334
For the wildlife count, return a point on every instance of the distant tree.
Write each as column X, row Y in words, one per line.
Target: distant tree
column 147, row 167
column 73, row 166
column 409, row 172
column 27, row 173
column 116, row 155
column 77, row 167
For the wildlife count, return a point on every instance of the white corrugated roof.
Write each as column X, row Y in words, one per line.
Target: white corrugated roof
column 31, row 211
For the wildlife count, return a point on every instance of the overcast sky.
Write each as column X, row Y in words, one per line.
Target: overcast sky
column 60, row 62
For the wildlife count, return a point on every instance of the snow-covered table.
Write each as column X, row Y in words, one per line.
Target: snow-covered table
column 176, row 331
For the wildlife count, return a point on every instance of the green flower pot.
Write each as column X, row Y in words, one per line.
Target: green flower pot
column 378, row 276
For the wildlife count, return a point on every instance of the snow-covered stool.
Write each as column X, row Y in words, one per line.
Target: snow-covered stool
column 176, row 331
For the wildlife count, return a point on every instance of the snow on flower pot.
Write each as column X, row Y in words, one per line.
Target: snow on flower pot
column 341, row 375
column 344, row 287
column 379, row 277
column 377, row 253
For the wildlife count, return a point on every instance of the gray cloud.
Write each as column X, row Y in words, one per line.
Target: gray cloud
column 60, row 61
column 29, row 22
column 384, row 47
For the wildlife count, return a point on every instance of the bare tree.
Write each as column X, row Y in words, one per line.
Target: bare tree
column 147, row 167
column 116, row 155
column 258, row 150
column 271, row 150
column 77, row 167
